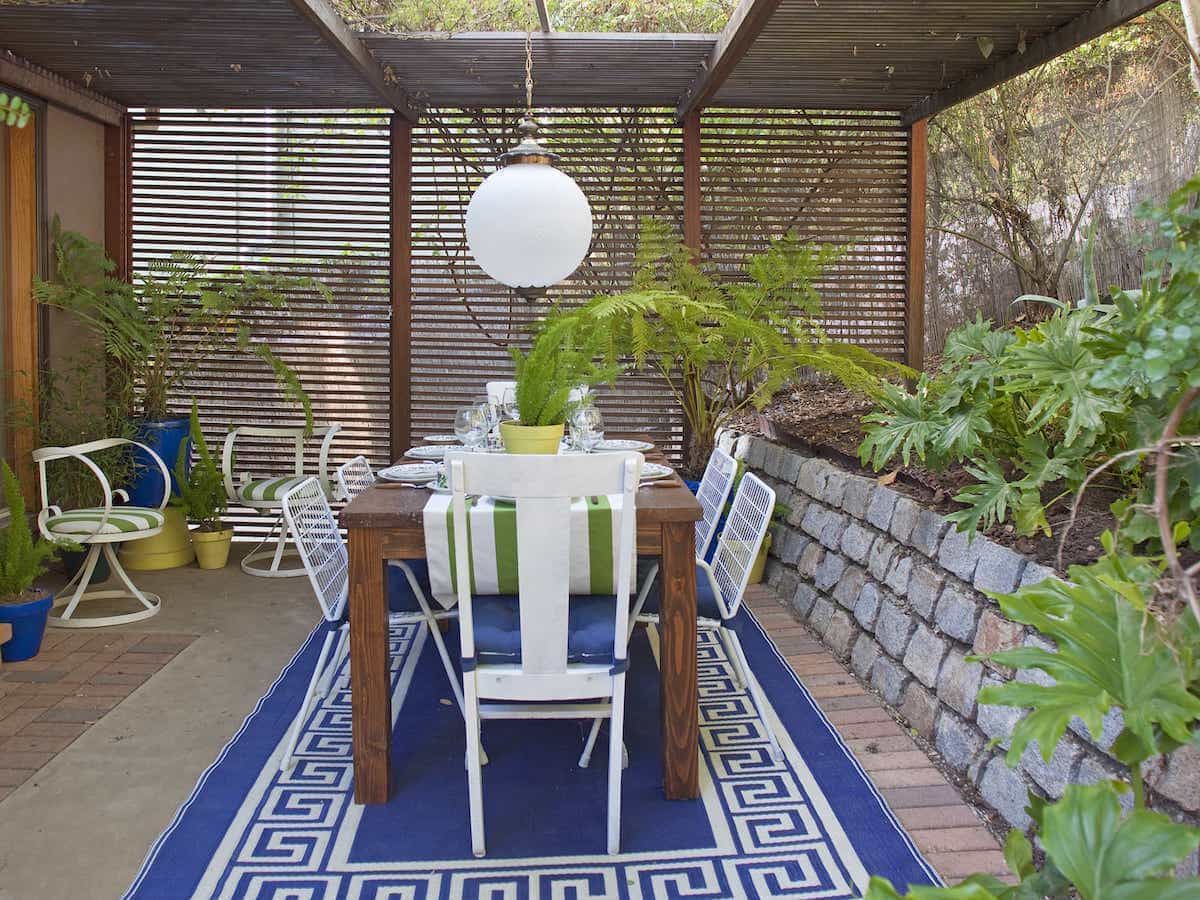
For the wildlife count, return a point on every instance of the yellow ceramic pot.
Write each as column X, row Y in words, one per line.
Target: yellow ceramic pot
column 531, row 438
column 165, row 550
column 760, row 561
column 212, row 548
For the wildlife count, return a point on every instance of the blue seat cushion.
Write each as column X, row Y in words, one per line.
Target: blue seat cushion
column 708, row 605
column 590, row 629
column 401, row 598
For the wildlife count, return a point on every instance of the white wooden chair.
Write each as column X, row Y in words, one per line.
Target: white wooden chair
column 353, row 477
column 715, row 485
column 720, row 585
column 99, row 528
column 531, row 656
column 497, row 389
column 265, row 495
column 319, row 543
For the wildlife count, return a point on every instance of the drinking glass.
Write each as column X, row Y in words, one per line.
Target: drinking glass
column 587, row 427
column 491, row 415
column 470, row 426
column 508, row 405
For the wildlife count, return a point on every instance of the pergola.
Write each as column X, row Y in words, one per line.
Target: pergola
column 879, row 69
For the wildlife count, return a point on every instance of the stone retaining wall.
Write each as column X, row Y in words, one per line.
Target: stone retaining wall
column 894, row 590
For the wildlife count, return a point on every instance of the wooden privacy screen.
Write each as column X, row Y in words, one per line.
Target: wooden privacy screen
column 308, row 193
column 834, row 177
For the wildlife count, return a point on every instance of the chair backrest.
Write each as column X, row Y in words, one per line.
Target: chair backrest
column 319, row 541
column 713, row 494
column 738, row 546
column 496, row 390
column 543, row 488
column 353, row 477
column 298, row 438
column 82, row 453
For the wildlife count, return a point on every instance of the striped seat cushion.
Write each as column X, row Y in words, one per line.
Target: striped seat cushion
column 269, row 488
column 122, row 520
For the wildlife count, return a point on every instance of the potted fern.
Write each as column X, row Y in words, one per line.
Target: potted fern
column 203, row 499
column 22, row 562
column 559, row 361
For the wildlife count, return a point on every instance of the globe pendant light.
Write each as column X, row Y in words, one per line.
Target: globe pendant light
column 529, row 225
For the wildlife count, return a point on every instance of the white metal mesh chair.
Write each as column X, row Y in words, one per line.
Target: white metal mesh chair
column 319, row 543
column 353, row 477
column 720, row 585
column 98, row 529
column 544, row 654
column 265, row 495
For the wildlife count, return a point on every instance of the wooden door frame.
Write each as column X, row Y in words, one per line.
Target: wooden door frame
column 24, row 258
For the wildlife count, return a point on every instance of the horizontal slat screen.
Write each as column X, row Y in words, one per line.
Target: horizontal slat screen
column 307, row 193
column 292, row 193
column 834, row 177
column 629, row 163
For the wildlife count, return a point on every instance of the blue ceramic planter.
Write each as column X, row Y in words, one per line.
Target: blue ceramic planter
column 28, row 622
column 165, row 438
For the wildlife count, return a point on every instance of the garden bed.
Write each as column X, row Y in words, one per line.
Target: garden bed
column 822, row 418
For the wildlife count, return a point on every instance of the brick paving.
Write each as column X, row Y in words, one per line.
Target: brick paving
column 50, row 700
column 942, row 824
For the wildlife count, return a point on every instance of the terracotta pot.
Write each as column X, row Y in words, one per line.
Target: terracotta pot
column 543, row 439
column 212, row 548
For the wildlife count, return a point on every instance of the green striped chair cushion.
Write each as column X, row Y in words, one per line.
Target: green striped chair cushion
column 122, row 520
column 267, row 489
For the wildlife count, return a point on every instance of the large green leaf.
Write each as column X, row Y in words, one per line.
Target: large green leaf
column 1109, row 653
column 1110, row 858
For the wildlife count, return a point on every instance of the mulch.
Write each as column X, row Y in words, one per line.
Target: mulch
column 823, row 418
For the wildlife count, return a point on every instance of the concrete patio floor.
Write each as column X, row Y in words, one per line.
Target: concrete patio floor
column 81, row 826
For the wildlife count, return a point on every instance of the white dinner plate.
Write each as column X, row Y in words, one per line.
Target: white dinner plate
column 614, row 444
column 654, row 471
column 417, row 473
column 440, row 439
column 428, row 452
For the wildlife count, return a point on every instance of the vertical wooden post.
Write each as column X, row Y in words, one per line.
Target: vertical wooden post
column 20, row 311
column 692, row 233
column 401, row 286
column 914, row 319
column 118, row 196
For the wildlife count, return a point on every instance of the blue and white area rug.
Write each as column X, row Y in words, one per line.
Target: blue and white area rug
column 811, row 826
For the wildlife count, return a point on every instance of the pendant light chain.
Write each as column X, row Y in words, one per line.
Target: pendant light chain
column 529, row 72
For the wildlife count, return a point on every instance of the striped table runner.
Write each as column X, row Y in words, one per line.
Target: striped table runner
column 492, row 525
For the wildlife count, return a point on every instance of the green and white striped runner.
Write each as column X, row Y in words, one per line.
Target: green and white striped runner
column 492, row 524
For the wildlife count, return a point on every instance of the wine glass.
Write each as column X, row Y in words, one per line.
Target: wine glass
column 587, row 427
column 491, row 414
column 470, row 426
column 508, row 405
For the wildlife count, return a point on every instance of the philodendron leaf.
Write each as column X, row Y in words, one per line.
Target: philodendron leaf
column 1110, row 858
column 1107, row 655
column 977, row 887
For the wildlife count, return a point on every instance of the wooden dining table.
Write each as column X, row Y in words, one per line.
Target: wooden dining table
column 385, row 522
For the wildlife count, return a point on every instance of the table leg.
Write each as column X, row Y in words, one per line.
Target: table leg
column 370, row 693
column 677, row 658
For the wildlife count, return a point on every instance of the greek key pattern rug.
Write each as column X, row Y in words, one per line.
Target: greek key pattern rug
column 812, row 826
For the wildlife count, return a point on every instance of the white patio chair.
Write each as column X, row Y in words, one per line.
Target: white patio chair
column 319, row 543
column 713, row 493
column 497, row 389
column 99, row 528
column 265, row 495
column 721, row 585
column 353, row 477
column 531, row 656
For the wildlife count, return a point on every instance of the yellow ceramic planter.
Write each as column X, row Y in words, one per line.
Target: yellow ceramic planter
column 212, row 548
column 169, row 548
column 531, row 438
column 760, row 561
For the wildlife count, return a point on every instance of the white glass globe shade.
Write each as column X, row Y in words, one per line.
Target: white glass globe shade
column 529, row 225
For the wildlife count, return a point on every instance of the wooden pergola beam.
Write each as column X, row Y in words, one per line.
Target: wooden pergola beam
column 33, row 79
column 743, row 28
column 1075, row 33
column 543, row 16
column 338, row 34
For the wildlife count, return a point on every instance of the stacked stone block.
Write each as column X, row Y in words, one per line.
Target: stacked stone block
column 898, row 593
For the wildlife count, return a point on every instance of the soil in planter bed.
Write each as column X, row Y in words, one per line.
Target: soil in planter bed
column 822, row 418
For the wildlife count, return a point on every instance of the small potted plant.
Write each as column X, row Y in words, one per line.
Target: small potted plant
column 22, row 562
column 203, row 499
column 558, row 362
